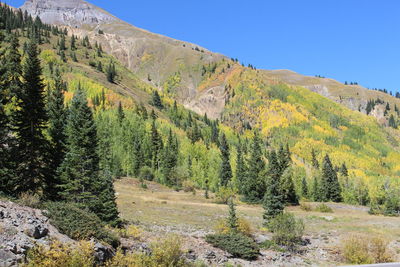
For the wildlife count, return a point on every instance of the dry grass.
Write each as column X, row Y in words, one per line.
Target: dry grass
column 186, row 212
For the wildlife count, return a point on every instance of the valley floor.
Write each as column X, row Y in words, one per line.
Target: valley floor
column 160, row 210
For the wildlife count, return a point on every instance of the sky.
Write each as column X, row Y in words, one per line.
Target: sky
column 347, row 40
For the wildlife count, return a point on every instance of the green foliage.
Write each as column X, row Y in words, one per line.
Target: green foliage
column 78, row 223
column 226, row 170
column 238, row 245
column 273, row 202
column 288, row 231
column 254, row 185
column 323, row 208
column 30, row 121
column 232, row 218
column 330, row 188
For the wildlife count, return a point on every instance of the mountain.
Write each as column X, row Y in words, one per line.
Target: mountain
column 281, row 103
column 153, row 57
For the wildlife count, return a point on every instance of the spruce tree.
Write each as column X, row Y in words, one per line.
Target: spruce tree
column 30, row 122
column 314, row 160
column 254, row 186
column 232, row 220
column 57, row 118
column 272, row 202
column 287, row 190
column 316, row 193
column 225, row 174
column 121, row 114
column 170, row 158
column 330, row 187
column 138, row 157
column 241, row 168
column 80, row 168
column 156, row 146
column 156, row 100
column 304, row 188
column 111, row 72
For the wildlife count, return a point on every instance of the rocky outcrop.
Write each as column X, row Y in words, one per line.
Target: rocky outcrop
column 22, row 228
column 73, row 13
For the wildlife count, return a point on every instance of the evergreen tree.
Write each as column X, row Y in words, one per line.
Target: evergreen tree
column 330, row 187
column 232, row 221
column 111, row 72
column 241, row 168
column 316, row 193
column 138, row 157
column 106, row 206
column 392, row 122
column 225, row 174
column 80, row 168
column 121, row 114
column 73, row 45
column 272, row 202
column 156, row 146
column 254, row 186
column 30, row 122
column 304, row 188
column 287, row 190
column 170, row 157
column 314, row 160
column 343, row 170
column 57, row 116
column 156, row 100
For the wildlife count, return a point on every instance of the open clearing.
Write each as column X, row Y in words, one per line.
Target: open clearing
column 160, row 210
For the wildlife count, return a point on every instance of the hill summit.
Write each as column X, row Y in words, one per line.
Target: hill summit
column 67, row 12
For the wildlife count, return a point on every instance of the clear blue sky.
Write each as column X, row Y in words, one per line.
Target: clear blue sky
column 353, row 40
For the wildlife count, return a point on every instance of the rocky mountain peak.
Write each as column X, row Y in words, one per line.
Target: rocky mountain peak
column 67, row 12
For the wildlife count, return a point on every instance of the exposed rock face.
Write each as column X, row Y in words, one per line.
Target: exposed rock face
column 21, row 228
column 67, row 12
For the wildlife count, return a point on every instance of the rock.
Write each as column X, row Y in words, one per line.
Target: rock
column 22, row 229
column 102, row 253
column 210, row 255
column 191, row 255
column 261, row 238
column 37, row 231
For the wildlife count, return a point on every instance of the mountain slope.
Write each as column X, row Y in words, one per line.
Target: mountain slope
column 280, row 103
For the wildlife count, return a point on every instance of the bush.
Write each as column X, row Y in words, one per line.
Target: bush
column 305, row 207
column 77, row 223
column 244, row 227
column 362, row 249
column 237, row 244
column 131, row 231
column 166, row 253
column 188, row 186
column 146, row 173
column 323, row 208
column 29, row 200
column 60, row 255
column 288, row 231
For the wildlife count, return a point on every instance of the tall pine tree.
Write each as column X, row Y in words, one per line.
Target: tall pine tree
column 225, row 174
column 57, row 118
column 272, row 203
column 330, row 187
column 254, row 186
column 30, row 122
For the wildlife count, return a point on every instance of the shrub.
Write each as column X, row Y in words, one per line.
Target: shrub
column 77, row 223
column 188, row 186
column 237, row 244
column 323, row 208
column 244, row 227
column 165, row 253
column 60, row 255
column 29, row 200
column 131, row 231
column 288, row 231
column 306, row 207
column 146, row 173
column 362, row 249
